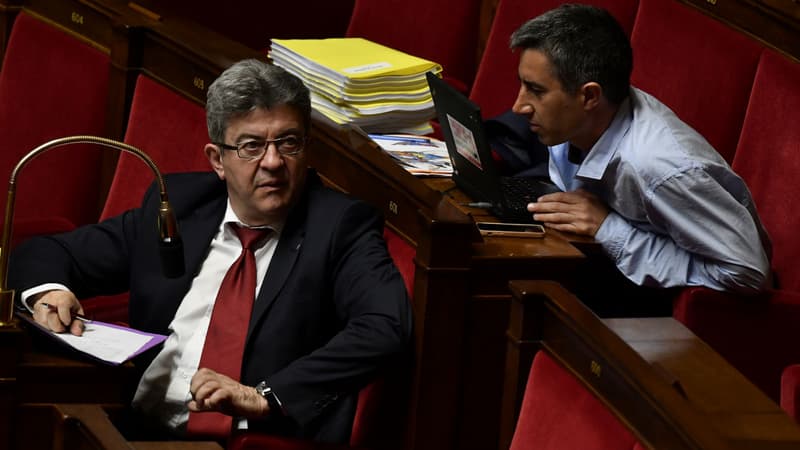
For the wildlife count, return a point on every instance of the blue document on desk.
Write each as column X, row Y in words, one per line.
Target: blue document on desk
column 105, row 342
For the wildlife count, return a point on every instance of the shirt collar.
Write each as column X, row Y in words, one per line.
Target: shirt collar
column 230, row 217
column 599, row 156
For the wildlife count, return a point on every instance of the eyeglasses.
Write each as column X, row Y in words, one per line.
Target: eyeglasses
column 256, row 148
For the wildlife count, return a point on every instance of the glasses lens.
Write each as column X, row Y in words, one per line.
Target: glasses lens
column 289, row 145
column 251, row 149
column 254, row 149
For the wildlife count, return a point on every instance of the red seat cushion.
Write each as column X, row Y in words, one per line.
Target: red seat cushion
column 52, row 85
column 558, row 412
column 679, row 53
column 496, row 83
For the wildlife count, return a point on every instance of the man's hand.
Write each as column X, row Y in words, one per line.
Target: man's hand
column 212, row 391
column 56, row 310
column 578, row 211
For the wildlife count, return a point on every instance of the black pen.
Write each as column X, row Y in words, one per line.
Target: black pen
column 74, row 316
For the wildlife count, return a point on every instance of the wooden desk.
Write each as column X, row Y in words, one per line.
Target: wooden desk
column 53, row 399
column 34, row 376
column 737, row 410
column 666, row 385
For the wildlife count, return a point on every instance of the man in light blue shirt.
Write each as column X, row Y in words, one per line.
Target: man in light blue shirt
column 662, row 203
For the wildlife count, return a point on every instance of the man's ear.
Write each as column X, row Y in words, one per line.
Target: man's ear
column 592, row 95
column 214, row 155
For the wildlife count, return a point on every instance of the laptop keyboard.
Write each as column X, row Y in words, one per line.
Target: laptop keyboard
column 519, row 191
column 525, row 190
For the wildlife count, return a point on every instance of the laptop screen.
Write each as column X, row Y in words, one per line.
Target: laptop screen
column 474, row 171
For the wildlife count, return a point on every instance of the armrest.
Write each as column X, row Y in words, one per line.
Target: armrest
column 83, row 424
column 88, row 426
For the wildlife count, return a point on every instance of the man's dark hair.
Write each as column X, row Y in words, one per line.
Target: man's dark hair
column 584, row 43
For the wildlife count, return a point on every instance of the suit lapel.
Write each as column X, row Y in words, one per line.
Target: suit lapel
column 283, row 260
column 201, row 227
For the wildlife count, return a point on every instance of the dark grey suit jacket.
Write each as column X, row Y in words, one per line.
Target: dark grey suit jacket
column 332, row 308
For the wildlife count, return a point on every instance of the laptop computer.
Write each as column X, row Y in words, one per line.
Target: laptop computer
column 474, row 171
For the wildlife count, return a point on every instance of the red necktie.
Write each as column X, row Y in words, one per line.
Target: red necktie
column 224, row 346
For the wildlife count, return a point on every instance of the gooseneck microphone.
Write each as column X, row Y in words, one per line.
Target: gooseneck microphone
column 169, row 240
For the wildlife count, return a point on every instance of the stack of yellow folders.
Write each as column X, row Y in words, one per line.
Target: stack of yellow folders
column 356, row 81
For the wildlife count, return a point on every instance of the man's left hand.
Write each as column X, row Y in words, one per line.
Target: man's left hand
column 212, row 391
column 578, row 211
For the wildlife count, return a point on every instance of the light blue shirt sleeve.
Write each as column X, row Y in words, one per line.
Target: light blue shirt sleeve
column 711, row 239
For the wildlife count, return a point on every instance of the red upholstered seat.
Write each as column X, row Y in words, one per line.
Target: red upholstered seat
column 700, row 56
column 790, row 391
column 403, row 255
column 443, row 31
column 52, row 85
column 759, row 335
column 172, row 131
column 558, row 412
column 496, row 83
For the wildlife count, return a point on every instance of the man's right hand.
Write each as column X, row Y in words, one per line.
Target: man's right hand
column 56, row 310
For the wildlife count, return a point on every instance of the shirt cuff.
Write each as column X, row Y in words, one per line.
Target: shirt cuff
column 28, row 293
column 612, row 234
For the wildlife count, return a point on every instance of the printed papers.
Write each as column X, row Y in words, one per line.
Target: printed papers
column 356, row 81
column 109, row 343
column 418, row 155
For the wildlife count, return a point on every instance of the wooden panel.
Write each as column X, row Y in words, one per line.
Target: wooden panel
column 8, row 12
column 188, row 59
column 773, row 22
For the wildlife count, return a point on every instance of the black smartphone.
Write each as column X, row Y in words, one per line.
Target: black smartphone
column 531, row 230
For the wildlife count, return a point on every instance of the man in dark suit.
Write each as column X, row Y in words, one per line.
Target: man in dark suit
column 330, row 307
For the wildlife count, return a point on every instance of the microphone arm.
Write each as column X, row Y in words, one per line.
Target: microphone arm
column 170, row 244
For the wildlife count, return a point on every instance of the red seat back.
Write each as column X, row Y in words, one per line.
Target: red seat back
column 679, row 52
column 767, row 159
column 52, row 85
column 558, row 412
column 170, row 129
column 443, row 31
column 496, row 83
column 757, row 335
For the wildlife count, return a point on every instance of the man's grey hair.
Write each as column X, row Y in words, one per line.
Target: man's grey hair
column 250, row 84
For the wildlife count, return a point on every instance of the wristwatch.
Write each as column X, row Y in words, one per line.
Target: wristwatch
column 272, row 399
